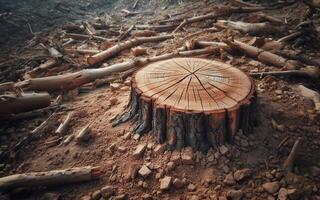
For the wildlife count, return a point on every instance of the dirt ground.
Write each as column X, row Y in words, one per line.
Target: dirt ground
column 283, row 116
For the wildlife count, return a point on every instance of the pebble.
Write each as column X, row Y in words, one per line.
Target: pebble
column 283, row 194
column 271, row 187
column 139, row 150
column 234, row 194
column 160, row 148
column 165, row 183
column 223, row 150
column 187, row 156
column 191, row 187
column 108, row 191
column 144, row 171
column 170, row 166
column 242, row 174
column 229, row 179
column 114, row 86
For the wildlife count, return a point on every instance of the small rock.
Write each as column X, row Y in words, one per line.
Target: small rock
column 144, row 171
column 223, row 150
column 133, row 171
column 107, row 191
column 283, row 194
column 194, row 197
column 170, row 166
column 191, row 187
column 121, row 197
column 187, row 156
column 175, row 157
column 242, row 174
column 126, row 136
column 160, row 148
column 96, row 195
column 150, row 145
column 87, row 197
column 114, row 86
column 146, row 197
column 234, row 194
column 139, row 150
column 165, row 183
column 177, row 183
column 229, row 179
column 271, row 187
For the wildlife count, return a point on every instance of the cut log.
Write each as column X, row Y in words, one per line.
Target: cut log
column 12, row 104
column 289, row 162
column 49, row 178
column 191, row 102
column 95, row 59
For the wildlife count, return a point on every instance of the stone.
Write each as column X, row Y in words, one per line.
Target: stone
column 271, row 187
column 160, row 148
column 165, row 183
column 170, row 166
column 96, row 195
column 114, row 86
column 283, row 194
column 194, row 197
column 144, row 171
column 107, row 191
column 242, row 174
column 121, row 197
column 191, row 187
column 87, row 197
column 139, row 150
column 187, row 156
column 150, row 145
column 146, row 197
column 132, row 172
column 224, row 150
column 229, row 179
column 234, row 194
column 175, row 157
column 177, row 183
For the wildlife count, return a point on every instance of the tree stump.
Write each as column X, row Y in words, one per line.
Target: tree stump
column 191, row 102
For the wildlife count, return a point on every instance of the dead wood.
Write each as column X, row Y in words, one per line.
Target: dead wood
column 86, row 37
column 12, row 103
column 42, row 68
column 158, row 28
column 49, row 178
column 144, row 33
column 95, row 59
column 214, row 15
column 263, row 56
column 76, row 79
column 289, row 162
column 310, row 94
column 33, row 134
column 132, row 13
column 54, row 53
column 64, row 125
column 89, row 29
column 309, row 72
column 83, row 51
column 83, row 135
column 290, row 36
column 250, row 28
column 126, row 33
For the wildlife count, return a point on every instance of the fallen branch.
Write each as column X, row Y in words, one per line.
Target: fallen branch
column 263, row 56
column 12, row 104
column 310, row 94
column 214, row 15
column 289, row 162
column 290, row 36
column 159, row 28
column 127, row 33
column 49, row 178
column 43, row 67
column 83, row 51
column 76, row 79
column 83, row 135
column 312, row 73
column 92, row 60
column 86, row 37
column 64, row 125
column 250, row 28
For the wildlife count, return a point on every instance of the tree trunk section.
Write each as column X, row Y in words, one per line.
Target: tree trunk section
column 191, row 102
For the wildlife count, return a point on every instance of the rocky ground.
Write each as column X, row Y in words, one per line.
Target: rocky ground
column 134, row 166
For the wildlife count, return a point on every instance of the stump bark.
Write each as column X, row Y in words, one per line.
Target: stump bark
column 191, row 102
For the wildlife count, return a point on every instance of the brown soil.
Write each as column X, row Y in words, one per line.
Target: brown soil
column 283, row 115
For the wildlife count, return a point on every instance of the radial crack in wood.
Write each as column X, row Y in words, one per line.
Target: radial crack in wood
column 191, row 102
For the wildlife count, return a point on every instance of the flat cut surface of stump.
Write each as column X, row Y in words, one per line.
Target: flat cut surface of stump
column 193, row 84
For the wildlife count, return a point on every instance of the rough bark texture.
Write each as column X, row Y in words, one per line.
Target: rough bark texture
column 191, row 102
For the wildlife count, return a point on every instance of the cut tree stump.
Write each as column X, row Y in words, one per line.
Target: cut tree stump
column 191, row 102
